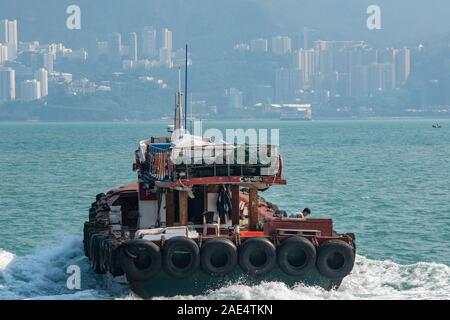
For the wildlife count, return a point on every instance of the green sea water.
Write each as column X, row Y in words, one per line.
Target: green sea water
column 386, row 181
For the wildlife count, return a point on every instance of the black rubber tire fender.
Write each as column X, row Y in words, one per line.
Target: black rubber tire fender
column 95, row 253
column 181, row 257
column 257, row 256
column 335, row 259
column 86, row 233
column 91, row 232
column 99, row 196
column 100, row 245
column 92, row 238
column 104, row 254
column 140, row 260
column 114, row 266
column 296, row 256
column 218, row 257
column 92, row 213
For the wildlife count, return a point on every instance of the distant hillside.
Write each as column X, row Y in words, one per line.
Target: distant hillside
column 207, row 24
column 346, row 19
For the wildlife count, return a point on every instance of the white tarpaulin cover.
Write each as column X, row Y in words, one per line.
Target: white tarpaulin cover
column 196, row 148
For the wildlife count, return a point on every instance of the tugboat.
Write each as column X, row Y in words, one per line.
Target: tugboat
column 190, row 226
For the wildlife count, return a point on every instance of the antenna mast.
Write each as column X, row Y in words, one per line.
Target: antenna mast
column 186, row 88
column 178, row 125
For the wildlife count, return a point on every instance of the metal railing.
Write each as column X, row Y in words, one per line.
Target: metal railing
column 217, row 160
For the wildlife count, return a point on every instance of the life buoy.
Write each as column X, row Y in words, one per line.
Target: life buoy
column 218, row 257
column 257, row 256
column 335, row 259
column 296, row 256
column 181, row 257
column 140, row 260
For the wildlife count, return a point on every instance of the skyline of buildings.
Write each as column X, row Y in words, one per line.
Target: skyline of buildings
column 26, row 78
column 134, row 51
column 304, row 69
column 28, row 69
column 330, row 68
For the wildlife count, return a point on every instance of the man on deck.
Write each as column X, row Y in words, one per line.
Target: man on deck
column 306, row 212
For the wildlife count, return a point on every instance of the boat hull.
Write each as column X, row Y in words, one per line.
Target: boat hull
column 200, row 283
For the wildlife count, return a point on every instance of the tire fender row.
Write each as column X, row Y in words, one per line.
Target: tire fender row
column 181, row 257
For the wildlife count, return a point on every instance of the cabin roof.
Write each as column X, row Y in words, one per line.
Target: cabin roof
column 239, row 180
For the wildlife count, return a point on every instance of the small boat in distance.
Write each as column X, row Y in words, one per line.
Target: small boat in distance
column 437, row 126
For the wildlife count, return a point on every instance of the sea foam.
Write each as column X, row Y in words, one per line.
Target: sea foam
column 370, row 279
column 5, row 259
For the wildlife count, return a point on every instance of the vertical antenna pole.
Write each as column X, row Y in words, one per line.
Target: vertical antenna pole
column 179, row 79
column 186, row 88
column 175, row 112
column 190, row 105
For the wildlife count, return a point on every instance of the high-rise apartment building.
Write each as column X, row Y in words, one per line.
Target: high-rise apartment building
column 307, row 38
column 102, row 48
column 402, row 59
column 7, row 84
column 165, row 57
column 115, row 46
column 42, row 76
column 8, row 36
column 47, row 61
column 326, row 61
column 281, row 45
column 4, row 31
column 167, row 39
column 149, row 47
column 358, row 81
column 259, row 45
column 133, row 46
column 295, row 81
column 308, row 63
column 282, row 85
column 235, row 99
column 13, row 43
column 30, row 90
column 3, row 53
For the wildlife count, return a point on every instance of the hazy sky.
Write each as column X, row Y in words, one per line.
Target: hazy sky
column 218, row 23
